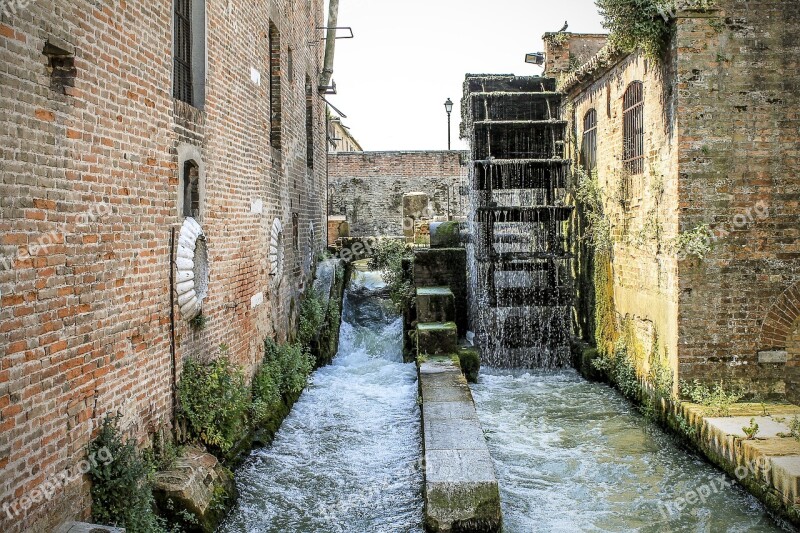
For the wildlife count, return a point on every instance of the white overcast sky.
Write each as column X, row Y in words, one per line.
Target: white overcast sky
column 409, row 56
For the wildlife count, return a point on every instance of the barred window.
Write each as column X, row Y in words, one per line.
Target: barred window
column 275, row 86
column 633, row 128
column 309, row 123
column 182, row 88
column 589, row 144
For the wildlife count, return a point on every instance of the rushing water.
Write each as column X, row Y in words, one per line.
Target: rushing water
column 346, row 458
column 571, row 456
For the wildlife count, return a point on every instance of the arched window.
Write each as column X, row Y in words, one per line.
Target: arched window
column 633, row 128
column 589, row 144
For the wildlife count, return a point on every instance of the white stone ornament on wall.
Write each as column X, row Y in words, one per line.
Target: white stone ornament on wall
column 192, row 269
column 276, row 251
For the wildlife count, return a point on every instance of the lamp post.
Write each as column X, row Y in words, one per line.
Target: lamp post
column 448, row 106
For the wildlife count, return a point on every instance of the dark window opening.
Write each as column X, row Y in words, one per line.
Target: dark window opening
column 61, row 67
column 296, row 231
column 182, row 87
column 191, row 189
column 290, row 65
column 309, row 123
column 589, row 144
column 633, row 128
column 275, row 86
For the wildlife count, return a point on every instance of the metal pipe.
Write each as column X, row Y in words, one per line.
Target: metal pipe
column 330, row 45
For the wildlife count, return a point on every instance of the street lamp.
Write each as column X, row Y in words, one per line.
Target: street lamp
column 448, row 106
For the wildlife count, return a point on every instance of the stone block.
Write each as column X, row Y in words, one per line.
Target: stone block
column 772, row 356
column 83, row 527
column 435, row 304
column 437, row 338
column 199, row 484
column 445, row 234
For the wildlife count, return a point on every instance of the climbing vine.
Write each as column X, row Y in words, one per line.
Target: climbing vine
column 638, row 24
column 388, row 256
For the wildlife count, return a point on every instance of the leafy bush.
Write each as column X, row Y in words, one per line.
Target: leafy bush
column 121, row 489
column 312, row 316
column 589, row 197
column 388, row 257
column 696, row 242
column 214, row 401
column 717, row 400
column 638, row 24
column 751, row 430
column 283, row 373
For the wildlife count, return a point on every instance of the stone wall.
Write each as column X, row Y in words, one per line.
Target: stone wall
column 645, row 284
column 368, row 187
column 738, row 106
column 721, row 150
column 90, row 196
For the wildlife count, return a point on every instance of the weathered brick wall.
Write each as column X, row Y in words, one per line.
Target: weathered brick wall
column 85, row 320
column 368, row 187
column 738, row 104
column 644, row 269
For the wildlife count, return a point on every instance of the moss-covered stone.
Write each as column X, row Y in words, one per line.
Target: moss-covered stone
column 437, row 338
column 445, row 234
column 196, row 492
column 470, row 361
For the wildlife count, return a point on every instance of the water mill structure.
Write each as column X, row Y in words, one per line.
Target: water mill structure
column 521, row 287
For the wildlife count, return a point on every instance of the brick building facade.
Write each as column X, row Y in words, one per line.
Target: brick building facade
column 118, row 119
column 368, row 187
column 719, row 147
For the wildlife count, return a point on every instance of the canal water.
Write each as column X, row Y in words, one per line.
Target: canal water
column 572, row 456
column 347, row 457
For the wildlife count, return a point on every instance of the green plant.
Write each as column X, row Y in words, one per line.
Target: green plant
column 588, row 195
column 751, row 430
column 388, row 256
column 695, row 242
column 794, row 427
column 684, row 426
column 312, row 316
column 214, row 400
column 121, row 488
column 717, row 400
column 557, row 39
column 638, row 24
column 199, row 322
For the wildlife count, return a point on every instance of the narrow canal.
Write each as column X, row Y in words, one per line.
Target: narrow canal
column 570, row 455
column 346, row 458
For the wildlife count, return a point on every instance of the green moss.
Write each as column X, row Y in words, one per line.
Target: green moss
column 470, row 362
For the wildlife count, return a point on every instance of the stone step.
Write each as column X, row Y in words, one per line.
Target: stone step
column 436, row 304
column 437, row 338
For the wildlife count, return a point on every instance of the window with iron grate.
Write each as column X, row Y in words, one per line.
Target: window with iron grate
column 275, row 86
column 633, row 128
column 589, row 144
column 182, row 88
column 309, row 123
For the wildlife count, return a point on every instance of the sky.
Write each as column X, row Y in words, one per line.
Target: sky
column 409, row 56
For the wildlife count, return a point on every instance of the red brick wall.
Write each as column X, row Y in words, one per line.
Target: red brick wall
column 738, row 107
column 85, row 320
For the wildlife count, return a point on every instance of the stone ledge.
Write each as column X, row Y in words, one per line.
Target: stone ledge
column 461, row 489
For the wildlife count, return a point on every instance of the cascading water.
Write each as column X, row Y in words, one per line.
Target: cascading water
column 571, row 456
column 346, row 458
column 520, row 283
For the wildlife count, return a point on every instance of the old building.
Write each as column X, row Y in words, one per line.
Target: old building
column 696, row 157
column 120, row 121
column 340, row 139
column 367, row 188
